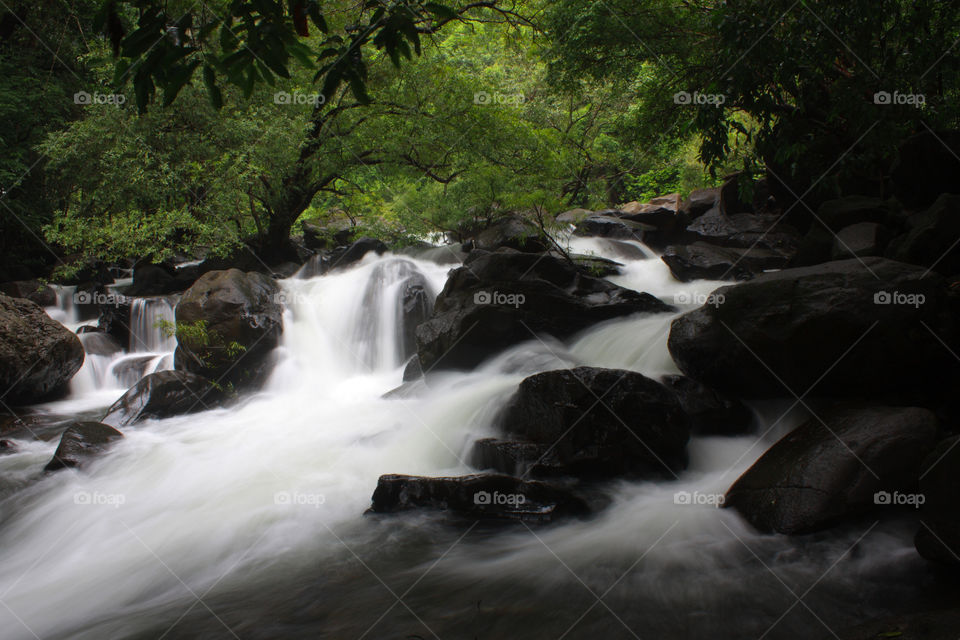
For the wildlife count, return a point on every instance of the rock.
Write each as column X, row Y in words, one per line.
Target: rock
column 829, row 469
column 623, row 250
column 599, row 422
column 710, row 412
column 699, row 202
column 610, row 227
column 594, row 265
column 114, row 320
column 243, row 322
column 512, row 232
column 412, row 371
column 517, row 458
column 938, row 539
column 844, row 212
column 671, row 201
column 928, row 165
column 702, row 261
column 340, row 259
column 81, row 441
column 154, row 280
column 731, row 202
column 480, row 497
column 38, row 355
column 745, row 231
column 500, row 299
column 836, row 325
column 931, row 237
column 32, row 290
column 399, row 280
column 97, row 343
column 573, row 216
column 163, row 395
column 860, row 240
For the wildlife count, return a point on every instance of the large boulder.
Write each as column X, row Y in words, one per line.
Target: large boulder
column 598, row 422
column 928, row 165
column 242, row 320
column 702, row 261
column 834, row 467
column 699, row 202
column 477, row 497
column 342, row 258
column 931, row 237
column 843, row 212
column 610, row 227
column 500, row 299
column 745, row 231
column 938, row 539
column 860, row 240
column 38, row 355
column 710, row 412
column 847, row 328
column 80, row 442
column 33, row 290
column 512, row 232
column 162, row 395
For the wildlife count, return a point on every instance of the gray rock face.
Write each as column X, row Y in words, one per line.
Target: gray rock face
column 38, row 355
column 243, row 322
column 500, row 299
column 931, row 237
column 702, row 261
column 824, row 472
column 836, row 325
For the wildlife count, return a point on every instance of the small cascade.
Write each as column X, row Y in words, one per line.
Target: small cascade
column 397, row 298
column 150, row 321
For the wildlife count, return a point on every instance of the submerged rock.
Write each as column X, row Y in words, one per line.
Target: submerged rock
column 38, row 355
column 481, row 497
column 832, row 467
column 162, row 395
column 81, row 441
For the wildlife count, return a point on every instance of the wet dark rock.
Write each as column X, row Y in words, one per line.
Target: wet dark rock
column 931, row 237
column 480, row 497
column 838, row 326
column 710, row 412
column 512, row 232
column 831, row 468
column 97, row 343
column 32, row 290
column 611, row 227
column 928, row 165
column 80, row 442
column 500, row 299
column 860, row 240
column 163, row 395
column 342, row 258
column 702, row 261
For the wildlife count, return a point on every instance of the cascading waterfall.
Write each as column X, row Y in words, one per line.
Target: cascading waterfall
column 150, row 322
column 255, row 510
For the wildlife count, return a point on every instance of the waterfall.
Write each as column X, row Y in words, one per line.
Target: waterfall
column 256, row 509
column 151, row 320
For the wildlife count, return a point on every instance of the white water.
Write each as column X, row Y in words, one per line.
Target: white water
column 225, row 504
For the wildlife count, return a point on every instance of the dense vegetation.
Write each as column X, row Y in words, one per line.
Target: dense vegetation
column 152, row 128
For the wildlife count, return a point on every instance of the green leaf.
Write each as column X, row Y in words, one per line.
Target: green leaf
column 213, row 91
